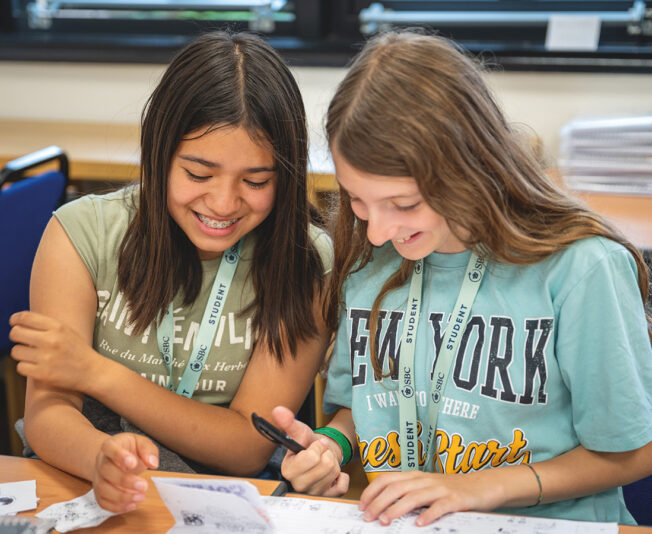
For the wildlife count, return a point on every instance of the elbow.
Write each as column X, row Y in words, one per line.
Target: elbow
column 249, row 465
column 26, row 429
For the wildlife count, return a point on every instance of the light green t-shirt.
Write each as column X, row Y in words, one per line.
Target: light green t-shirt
column 555, row 355
column 96, row 225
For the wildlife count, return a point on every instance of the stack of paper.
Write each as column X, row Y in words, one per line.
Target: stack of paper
column 608, row 155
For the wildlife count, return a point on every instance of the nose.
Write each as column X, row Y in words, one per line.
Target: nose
column 224, row 199
column 379, row 229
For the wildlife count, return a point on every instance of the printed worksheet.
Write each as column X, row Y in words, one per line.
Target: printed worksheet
column 295, row 515
column 215, row 506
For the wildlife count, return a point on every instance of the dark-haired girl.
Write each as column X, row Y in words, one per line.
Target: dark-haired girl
column 175, row 308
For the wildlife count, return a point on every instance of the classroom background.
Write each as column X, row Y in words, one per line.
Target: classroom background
column 92, row 111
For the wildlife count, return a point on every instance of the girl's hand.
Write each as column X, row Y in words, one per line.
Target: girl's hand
column 51, row 352
column 391, row 495
column 315, row 471
column 116, row 483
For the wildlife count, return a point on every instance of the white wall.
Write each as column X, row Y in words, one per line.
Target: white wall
column 116, row 94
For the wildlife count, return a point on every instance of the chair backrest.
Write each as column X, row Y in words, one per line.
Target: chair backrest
column 638, row 498
column 25, row 209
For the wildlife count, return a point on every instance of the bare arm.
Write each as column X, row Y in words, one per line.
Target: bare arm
column 54, row 425
column 221, row 437
column 574, row 474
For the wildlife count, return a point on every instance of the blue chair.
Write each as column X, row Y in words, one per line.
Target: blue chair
column 26, row 206
column 638, row 498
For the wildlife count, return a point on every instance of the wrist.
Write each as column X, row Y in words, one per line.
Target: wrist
column 333, row 446
column 99, row 376
column 342, row 446
column 516, row 486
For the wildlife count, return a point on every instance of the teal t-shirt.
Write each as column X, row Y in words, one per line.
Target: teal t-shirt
column 554, row 355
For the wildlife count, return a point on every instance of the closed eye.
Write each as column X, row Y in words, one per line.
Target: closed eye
column 257, row 185
column 408, row 208
column 197, row 177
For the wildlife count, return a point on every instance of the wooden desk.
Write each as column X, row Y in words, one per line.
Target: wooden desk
column 52, row 486
column 632, row 215
column 110, row 152
column 104, row 152
column 152, row 516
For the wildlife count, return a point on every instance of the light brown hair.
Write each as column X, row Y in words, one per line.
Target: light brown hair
column 224, row 79
column 414, row 105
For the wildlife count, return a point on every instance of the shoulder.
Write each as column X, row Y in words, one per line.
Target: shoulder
column 383, row 263
column 324, row 245
column 589, row 254
column 115, row 205
column 587, row 261
column 96, row 225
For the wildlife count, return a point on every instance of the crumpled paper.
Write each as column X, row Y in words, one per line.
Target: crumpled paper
column 82, row 512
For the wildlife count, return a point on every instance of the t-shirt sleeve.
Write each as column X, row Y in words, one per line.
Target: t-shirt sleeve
column 324, row 246
column 79, row 220
column 338, row 393
column 605, row 356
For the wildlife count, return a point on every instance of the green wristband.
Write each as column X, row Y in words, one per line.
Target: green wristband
column 340, row 439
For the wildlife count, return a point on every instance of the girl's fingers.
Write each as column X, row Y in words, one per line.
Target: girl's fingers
column 22, row 353
column 114, row 449
column 33, row 320
column 411, row 500
column 25, row 335
column 119, row 478
column 313, row 470
column 298, row 431
column 295, row 465
column 340, row 487
column 147, row 451
column 115, row 499
column 378, row 485
column 438, row 509
column 395, row 491
column 28, row 370
column 322, row 476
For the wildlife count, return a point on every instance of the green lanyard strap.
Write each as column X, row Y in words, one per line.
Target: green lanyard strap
column 207, row 329
column 475, row 270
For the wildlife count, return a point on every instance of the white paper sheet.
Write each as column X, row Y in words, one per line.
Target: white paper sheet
column 81, row 512
column 17, row 497
column 216, row 506
column 294, row 515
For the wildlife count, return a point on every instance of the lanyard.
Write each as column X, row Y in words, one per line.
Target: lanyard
column 450, row 343
column 207, row 329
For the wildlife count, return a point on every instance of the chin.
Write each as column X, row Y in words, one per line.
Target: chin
column 411, row 255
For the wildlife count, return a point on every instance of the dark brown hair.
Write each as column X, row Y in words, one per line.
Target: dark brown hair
column 221, row 80
column 413, row 105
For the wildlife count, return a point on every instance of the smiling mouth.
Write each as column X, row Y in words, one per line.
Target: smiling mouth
column 212, row 223
column 404, row 239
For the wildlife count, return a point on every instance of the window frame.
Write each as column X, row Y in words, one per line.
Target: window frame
column 327, row 33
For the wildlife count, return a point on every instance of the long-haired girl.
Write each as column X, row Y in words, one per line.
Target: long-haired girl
column 176, row 308
column 493, row 350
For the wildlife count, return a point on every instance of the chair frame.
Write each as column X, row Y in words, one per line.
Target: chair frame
column 14, row 170
column 15, row 385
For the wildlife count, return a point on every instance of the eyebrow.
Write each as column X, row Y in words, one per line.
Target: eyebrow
column 215, row 165
column 395, row 197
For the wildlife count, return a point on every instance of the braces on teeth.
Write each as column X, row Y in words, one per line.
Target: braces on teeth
column 215, row 224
